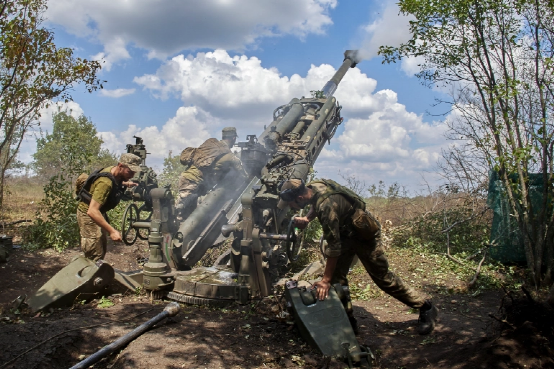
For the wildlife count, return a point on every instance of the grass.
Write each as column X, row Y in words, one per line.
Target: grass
column 21, row 198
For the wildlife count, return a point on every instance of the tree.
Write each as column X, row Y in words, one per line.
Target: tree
column 33, row 74
column 76, row 139
column 71, row 149
column 495, row 56
column 171, row 171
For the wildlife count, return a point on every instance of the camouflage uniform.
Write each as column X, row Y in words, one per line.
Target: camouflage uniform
column 107, row 193
column 93, row 237
column 195, row 181
column 334, row 214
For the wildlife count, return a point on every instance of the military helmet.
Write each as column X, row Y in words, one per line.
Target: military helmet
column 229, row 132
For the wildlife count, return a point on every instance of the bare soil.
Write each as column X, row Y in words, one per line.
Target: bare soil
column 252, row 336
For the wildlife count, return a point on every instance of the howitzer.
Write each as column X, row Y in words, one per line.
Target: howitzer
column 262, row 234
column 263, row 237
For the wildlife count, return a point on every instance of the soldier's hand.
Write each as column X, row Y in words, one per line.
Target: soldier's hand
column 115, row 236
column 322, row 290
column 301, row 222
column 129, row 184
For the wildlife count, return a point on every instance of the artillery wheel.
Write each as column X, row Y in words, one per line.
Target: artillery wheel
column 129, row 234
column 143, row 233
column 295, row 241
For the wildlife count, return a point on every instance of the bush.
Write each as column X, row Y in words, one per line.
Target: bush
column 469, row 232
column 55, row 223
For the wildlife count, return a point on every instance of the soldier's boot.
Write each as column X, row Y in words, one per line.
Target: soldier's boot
column 347, row 303
column 428, row 314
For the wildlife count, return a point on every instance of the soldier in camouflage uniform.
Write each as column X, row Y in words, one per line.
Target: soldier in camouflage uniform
column 206, row 167
column 350, row 230
column 98, row 193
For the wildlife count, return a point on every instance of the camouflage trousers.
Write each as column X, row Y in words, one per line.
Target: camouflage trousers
column 94, row 239
column 374, row 260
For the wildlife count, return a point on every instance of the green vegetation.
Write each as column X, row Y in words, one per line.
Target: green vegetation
column 72, row 140
column 105, row 303
column 33, row 74
column 55, row 223
column 495, row 57
column 171, row 171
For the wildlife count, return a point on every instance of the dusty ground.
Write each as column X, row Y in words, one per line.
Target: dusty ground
column 252, row 336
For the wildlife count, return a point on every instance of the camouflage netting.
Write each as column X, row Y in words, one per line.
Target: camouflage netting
column 505, row 237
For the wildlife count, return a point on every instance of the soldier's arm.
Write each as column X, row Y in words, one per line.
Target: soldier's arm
column 236, row 164
column 95, row 214
column 302, row 222
column 329, row 218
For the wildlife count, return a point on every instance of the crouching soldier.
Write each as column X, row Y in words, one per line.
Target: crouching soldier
column 206, row 167
column 100, row 192
column 350, row 230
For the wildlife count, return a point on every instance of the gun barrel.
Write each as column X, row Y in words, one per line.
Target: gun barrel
column 350, row 61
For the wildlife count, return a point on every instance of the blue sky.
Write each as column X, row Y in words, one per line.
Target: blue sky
column 179, row 71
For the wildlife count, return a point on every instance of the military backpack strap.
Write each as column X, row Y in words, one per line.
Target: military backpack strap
column 361, row 221
column 84, row 194
column 334, row 188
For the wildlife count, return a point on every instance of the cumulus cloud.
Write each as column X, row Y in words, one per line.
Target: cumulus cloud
column 117, row 93
column 388, row 143
column 239, row 88
column 390, row 28
column 189, row 127
column 379, row 136
column 166, row 27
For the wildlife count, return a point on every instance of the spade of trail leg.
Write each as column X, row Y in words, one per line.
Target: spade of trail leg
column 80, row 277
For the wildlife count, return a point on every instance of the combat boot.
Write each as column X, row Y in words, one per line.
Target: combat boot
column 428, row 314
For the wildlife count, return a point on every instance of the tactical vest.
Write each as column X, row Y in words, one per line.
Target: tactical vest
column 205, row 155
column 113, row 198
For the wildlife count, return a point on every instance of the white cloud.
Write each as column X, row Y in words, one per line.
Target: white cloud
column 166, row 27
column 391, row 28
column 114, row 51
column 239, row 88
column 190, row 127
column 379, row 135
column 411, row 65
column 117, row 93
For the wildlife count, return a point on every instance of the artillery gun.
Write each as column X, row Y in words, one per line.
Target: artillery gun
column 263, row 237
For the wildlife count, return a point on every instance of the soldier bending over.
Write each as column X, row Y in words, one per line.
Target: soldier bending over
column 206, row 167
column 349, row 230
column 99, row 193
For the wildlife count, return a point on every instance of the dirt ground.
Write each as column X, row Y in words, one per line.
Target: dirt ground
column 253, row 337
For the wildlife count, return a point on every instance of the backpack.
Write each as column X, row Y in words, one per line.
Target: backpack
column 205, row 155
column 85, row 196
column 79, row 183
column 363, row 223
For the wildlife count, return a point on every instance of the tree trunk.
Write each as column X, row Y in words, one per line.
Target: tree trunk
column 2, row 177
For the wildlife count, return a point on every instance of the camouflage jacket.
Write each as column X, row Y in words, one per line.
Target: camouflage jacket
column 334, row 213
